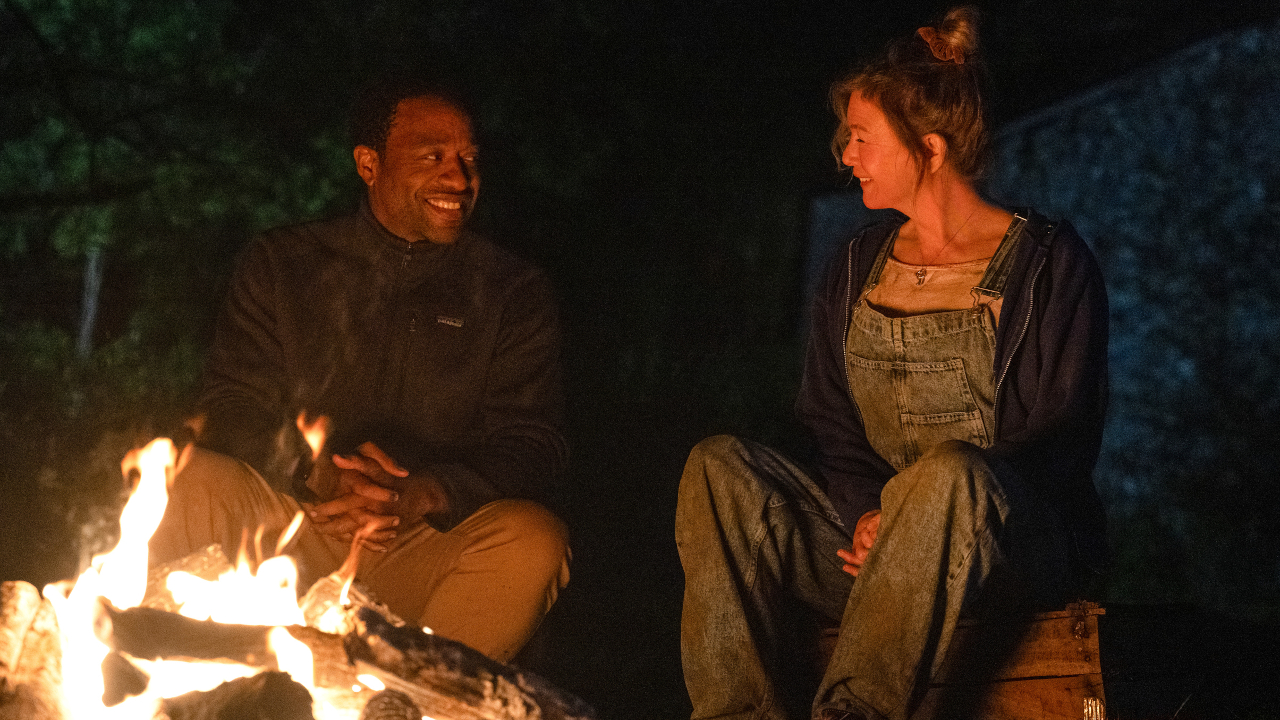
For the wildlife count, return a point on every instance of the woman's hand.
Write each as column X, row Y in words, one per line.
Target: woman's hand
column 864, row 536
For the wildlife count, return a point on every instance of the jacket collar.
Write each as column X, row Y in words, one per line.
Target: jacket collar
column 377, row 241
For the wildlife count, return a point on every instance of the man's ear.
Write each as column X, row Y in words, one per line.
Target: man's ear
column 935, row 151
column 366, row 163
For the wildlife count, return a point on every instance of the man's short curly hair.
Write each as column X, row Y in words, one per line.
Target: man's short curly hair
column 375, row 105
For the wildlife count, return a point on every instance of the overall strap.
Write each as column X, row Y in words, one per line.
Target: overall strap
column 997, row 275
column 886, row 249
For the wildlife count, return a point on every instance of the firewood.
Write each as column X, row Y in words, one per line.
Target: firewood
column 153, row 634
column 266, row 695
column 444, row 678
column 448, row 679
column 18, row 604
column 206, row 564
column 324, row 597
column 390, row 705
column 31, row 679
column 121, row 679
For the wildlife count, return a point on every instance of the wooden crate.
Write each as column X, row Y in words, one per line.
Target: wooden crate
column 1042, row 667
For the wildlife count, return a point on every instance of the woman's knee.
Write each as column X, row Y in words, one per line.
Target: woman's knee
column 956, row 457
column 951, row 471
column 711, row 463
column 717, row 451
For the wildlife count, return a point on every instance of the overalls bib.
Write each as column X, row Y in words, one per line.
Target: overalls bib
column 920, row 380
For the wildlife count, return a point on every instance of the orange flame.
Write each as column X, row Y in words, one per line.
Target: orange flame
column 289, row 532
column 314, row 432
column 120, row 576
column 265, row 597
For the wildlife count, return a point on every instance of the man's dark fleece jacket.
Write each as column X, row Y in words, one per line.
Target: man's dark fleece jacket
column 1050, row 376
column 445, row 356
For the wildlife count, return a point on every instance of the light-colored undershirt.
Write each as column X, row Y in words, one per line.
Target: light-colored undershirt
column 946, row 287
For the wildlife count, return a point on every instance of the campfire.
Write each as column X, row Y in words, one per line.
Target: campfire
column 203, row 638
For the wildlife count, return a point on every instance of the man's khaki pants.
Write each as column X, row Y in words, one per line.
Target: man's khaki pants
column 487, row 583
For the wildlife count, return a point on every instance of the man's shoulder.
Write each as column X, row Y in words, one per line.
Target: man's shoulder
column 498, row 264
column 310, row 234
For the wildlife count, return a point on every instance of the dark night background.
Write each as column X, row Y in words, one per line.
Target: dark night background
column 660, row 161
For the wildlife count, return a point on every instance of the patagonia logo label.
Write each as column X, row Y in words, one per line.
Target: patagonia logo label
column 446, row 320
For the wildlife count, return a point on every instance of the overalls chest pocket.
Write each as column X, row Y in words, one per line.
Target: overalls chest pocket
column 909, row 407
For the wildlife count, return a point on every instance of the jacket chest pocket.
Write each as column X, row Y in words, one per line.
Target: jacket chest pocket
column 437, row 371
column 908, row 407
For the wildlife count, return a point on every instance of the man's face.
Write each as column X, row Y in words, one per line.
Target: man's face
column 423, row 186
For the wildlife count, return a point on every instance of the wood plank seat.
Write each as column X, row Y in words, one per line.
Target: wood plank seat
column 1045, row 666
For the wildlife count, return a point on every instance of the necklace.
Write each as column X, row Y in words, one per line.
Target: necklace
column 921, row 272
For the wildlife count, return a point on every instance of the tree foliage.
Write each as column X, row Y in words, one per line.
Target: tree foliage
column 128, row 179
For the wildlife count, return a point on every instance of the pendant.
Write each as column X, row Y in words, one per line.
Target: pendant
column 920, row 276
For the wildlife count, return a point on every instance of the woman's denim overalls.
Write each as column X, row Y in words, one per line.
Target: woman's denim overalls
column 920, row 380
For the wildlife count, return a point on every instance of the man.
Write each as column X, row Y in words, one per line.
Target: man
column 434, row 355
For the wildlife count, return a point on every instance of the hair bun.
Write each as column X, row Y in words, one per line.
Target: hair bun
column 956, row 37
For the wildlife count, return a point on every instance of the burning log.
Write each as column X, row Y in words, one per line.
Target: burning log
column 156, row 634
column 265, row 695
column 424, row 673
column 450, row 680
column 30, row 655
column 443, row 678
column 207, row 564
column 110, row 655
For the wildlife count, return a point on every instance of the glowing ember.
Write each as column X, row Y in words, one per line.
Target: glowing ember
column 372, row 682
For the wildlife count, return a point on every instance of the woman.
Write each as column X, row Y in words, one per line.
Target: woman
column 955, row 383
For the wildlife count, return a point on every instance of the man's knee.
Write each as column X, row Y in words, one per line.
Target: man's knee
column 524, row 528
column 212, row 473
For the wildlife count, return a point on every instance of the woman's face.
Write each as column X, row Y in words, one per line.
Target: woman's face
column 883, row 165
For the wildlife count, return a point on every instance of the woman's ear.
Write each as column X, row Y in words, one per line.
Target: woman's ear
column 935, row 152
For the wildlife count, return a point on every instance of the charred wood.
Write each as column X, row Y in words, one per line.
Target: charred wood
column 206, row 564
column 30, row 655
column 438, row 673
column 121, row 679
column 265, row 696
column 155, row 634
